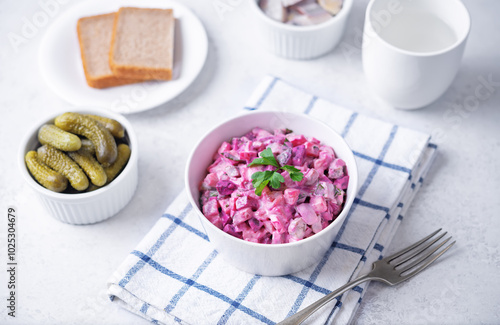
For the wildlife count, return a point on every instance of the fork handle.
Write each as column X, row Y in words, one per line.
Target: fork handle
column 302, row 315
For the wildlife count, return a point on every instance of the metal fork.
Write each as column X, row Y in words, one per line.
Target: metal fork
column 391, row 270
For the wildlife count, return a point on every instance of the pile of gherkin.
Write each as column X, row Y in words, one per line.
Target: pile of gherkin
column 88, row 151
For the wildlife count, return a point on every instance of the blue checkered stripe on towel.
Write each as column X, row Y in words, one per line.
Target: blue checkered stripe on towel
column 175, row 276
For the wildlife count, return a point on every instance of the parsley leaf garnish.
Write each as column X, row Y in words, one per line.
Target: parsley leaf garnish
column 267, row 158
column 273, row 178
column 295, row 174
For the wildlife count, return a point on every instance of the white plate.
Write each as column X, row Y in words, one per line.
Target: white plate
column 61, row 65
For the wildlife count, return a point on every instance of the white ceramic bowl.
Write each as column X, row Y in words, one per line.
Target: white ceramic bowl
column 268, row 259
column 300, row 42
column 91, row 207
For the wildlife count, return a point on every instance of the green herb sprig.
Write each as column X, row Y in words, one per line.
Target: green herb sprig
column 273, row 178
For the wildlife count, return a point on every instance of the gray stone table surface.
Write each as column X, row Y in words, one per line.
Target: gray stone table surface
column 63, row 269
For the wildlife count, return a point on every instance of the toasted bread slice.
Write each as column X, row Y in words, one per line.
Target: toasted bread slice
column 142, row 45
column 94, row 35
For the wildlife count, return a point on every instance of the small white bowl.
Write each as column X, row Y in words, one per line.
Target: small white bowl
column 268, row 259
column 300, row 42
column 91, row 207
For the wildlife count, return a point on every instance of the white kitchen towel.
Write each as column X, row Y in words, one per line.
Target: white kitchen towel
column 175, row 276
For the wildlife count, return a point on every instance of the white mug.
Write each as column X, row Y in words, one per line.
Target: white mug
column 412, row 48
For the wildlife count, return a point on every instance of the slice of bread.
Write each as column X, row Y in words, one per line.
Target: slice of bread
column 94, row 35
column 142, row 45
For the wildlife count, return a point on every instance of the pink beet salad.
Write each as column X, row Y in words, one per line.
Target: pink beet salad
column 274, row 188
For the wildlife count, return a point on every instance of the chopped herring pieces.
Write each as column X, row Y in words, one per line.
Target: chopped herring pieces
column 274, row 9
column 288, row 3
column 332, row 6
column 313, row 13
column 301, row 12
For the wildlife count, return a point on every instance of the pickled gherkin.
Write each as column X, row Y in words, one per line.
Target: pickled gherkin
column 61, row 163
column 105, row 145
column 123, row 157
column 113, row 126
column 60, row 139
column 90, row 166
column 43, row 174
column 88, row 146
column 92, row 188
column 79, row 149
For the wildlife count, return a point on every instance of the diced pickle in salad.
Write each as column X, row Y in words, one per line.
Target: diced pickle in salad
column 274, row 188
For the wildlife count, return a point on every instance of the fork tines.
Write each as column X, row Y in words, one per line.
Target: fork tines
column 418, row 256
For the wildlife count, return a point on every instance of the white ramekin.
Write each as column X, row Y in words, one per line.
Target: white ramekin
column 91, row 207
column 268, row 259
column 300, row 42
